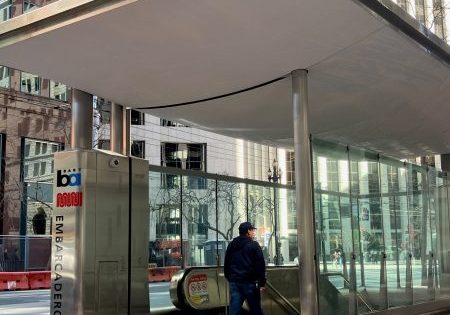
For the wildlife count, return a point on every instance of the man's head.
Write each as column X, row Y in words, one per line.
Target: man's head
column 247, row 229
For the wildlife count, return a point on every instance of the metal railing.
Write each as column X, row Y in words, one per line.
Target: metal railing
column 281, row 300
column 25, row 253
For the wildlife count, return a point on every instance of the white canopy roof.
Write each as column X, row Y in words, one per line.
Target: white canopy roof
column 369, row 84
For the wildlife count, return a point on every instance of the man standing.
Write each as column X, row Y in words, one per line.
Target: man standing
column 245, row 270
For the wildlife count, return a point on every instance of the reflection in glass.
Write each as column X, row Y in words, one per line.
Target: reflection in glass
column 165, row 246
column 199, row 216
column 231, row 211
column 37, row 174
column 389, row 223
column 382, row 226
column 261, row 213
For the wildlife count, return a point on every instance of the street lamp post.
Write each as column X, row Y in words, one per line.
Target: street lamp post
column 275, row 177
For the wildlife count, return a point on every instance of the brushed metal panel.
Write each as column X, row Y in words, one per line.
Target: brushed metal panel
column 140, row 216
column 67, row 232
column 108, row 295
column 98, row 266
column 111, row 223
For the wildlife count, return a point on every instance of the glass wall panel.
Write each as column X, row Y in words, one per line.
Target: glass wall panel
column 419, row 240
column 369, row 245
column 392, row 218
column 199, row 218
column 433, row 274
column 395, row 227
column 231, row 211
column 286, row 233
column 292, row 224
column 443, row 238
column 261, row 214
column 165, row 245
column 333, row 223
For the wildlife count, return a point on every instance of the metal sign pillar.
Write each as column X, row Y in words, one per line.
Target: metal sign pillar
column 304, row 195
column 100, row 226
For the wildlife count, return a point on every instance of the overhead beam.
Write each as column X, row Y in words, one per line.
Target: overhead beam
column 53, row 16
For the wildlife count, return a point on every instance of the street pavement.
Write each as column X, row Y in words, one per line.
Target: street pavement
column 37, row 302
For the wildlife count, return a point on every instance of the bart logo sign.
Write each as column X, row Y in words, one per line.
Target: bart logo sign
column 69, row 178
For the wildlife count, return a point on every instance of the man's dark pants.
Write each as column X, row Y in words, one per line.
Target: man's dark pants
column 245, row 291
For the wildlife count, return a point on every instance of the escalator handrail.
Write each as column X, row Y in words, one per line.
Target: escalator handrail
column 366, row 303
column 286, row 304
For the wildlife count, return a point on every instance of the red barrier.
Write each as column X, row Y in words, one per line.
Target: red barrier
column 13, row 281
column 173, row 270
column 162, row 274
column 39, row 279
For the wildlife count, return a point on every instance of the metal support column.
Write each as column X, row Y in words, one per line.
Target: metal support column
column 82, row 120
column 304, row 196
column 126, row 132
column 117, row 128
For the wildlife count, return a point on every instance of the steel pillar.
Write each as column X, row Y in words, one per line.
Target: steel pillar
column 126, row 132
column 304, row 195
column 117, row 128
column 82, row 120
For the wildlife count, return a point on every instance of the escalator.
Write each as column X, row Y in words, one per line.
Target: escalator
column 204, row 290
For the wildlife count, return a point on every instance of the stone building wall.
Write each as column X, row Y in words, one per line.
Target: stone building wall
column 25, row 116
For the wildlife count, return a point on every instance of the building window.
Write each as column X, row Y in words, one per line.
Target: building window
column 43, row 168
column 35, row 169
column 104, row 144
column 25, row 171
column 420, row 11
column 5, row 10
column 438, row 18
column 29, row 6
column 188, row 156
column 104, row 109
column 290, row 168
column 4, row 77
column 36, row 157
column 403, row 4
column 138, row 149
column 137, row 118
column 2, row 156
column 30, row 83
column 37, row 148
column 58, row 91
column 27, row 150
column 170, row 123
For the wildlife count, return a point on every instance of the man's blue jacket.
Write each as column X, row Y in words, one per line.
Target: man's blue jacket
column 244, row 261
